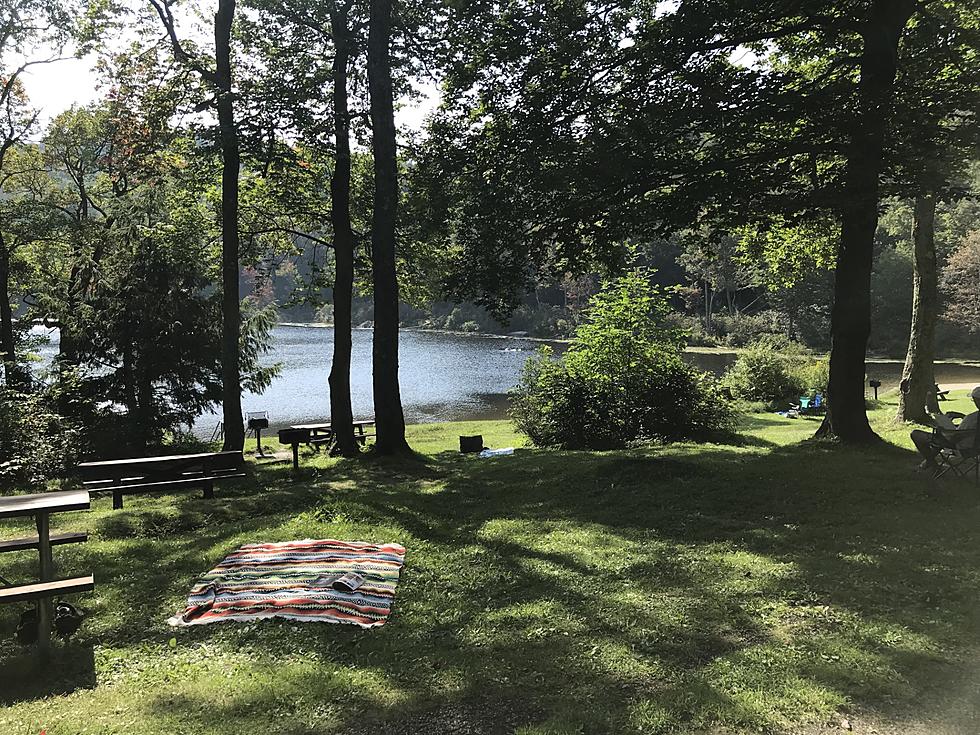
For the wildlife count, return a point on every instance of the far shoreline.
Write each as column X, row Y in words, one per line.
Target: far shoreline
column 872, row 358
column 482, row 335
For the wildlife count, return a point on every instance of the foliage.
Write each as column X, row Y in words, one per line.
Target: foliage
column 622, row 380
column 768, row 371
column 37, row 442
column 961, row 284
column 127, row 270
column 891, row 301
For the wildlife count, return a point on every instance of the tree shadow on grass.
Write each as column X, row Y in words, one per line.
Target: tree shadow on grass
column 608, row 589
column 24, row 676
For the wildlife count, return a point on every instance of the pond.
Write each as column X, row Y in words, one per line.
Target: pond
column 444, row 377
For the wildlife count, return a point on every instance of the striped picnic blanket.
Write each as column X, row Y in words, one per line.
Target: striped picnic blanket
column 278, row 580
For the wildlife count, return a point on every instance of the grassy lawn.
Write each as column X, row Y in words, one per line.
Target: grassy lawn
column 761, row 585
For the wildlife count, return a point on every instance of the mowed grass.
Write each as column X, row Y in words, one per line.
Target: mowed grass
column 758, row 585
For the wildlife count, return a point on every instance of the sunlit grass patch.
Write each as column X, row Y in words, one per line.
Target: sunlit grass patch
column 755, row 584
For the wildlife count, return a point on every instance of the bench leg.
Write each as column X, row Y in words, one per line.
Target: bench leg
column 296, row 457
column 209, row 490
column 44, row 606
column 117, row 500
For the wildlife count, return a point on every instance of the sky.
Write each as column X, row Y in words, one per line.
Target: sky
column 55, row 87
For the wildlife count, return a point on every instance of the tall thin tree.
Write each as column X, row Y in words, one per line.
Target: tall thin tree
column 389, row 418
column 221, row 81
column 846, row 417
column 341, row 411
column 918, row 375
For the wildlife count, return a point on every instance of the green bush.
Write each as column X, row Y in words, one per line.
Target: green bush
column 814, row 375
column 744, row 329
column 37, row 443
column 622, row 380
column 772, row 369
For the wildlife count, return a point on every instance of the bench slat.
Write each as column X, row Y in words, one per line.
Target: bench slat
column 161, row 466
column 57, row 539
column 198, row 481
column 21, row 592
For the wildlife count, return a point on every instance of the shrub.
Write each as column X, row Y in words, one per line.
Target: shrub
column 814, row 375
column 768, row 371
column 744, row 329
column 623, row 379
column 36, row 442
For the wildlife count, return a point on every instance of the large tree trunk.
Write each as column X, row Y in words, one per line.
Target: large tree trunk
column 388, row 414
column 13, row 375
column 341, row 412
column 918, row 376
column 230, row 301
column 851, row 316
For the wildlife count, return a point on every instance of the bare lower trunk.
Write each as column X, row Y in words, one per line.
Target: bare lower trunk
column 918, row 376
column 13, row 375
column 390, row 420
column 846, row 417
column 148, row 433
column 129, row 379
column 230, row 301
column 341, row 412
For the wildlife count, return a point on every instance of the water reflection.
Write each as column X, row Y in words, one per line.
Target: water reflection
column 444, row 377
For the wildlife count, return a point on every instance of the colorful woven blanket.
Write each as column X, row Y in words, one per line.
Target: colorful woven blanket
column 292, row 580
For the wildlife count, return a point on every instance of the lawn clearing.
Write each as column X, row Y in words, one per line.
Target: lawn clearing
column 760, row 585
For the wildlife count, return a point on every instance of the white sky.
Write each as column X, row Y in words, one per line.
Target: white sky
column 55, row 87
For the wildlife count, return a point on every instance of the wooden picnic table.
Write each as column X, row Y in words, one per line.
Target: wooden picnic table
column 41, row 507
column 318, row 434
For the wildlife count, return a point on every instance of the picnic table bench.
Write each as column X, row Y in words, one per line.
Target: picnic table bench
column 161, row 474
column 317, row 435
column 41, row 506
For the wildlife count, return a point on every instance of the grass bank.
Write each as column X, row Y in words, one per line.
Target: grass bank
column 760, row 585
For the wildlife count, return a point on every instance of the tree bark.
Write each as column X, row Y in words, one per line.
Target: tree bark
column 234, row 426
column 846, row 417
column 13, row 375
column 390, row 420
column 341, row 411
column 918, row 376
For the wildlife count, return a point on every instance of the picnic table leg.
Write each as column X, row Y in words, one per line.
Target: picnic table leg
column 44, row 605
column 296, row 456
column 209, row 490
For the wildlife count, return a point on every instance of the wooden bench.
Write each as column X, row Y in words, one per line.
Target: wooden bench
column 41, row 507
column 33, row 542
column 161, row 474
column 44, row 590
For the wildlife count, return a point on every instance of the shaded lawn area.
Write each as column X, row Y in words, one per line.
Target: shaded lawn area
column 758, row 585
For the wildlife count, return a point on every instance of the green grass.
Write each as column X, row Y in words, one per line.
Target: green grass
column 760, row 585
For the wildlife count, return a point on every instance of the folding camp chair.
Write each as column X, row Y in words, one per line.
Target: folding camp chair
column 962, row 459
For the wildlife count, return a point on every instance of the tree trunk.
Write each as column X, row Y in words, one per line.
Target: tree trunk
column 918, row 376
column 341, row 412
column 390, row 420
column 13, row 375
column 230, row 302
column 846, row 417
column 147, row 434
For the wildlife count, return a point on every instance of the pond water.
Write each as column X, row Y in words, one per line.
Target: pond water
column 444, row 377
